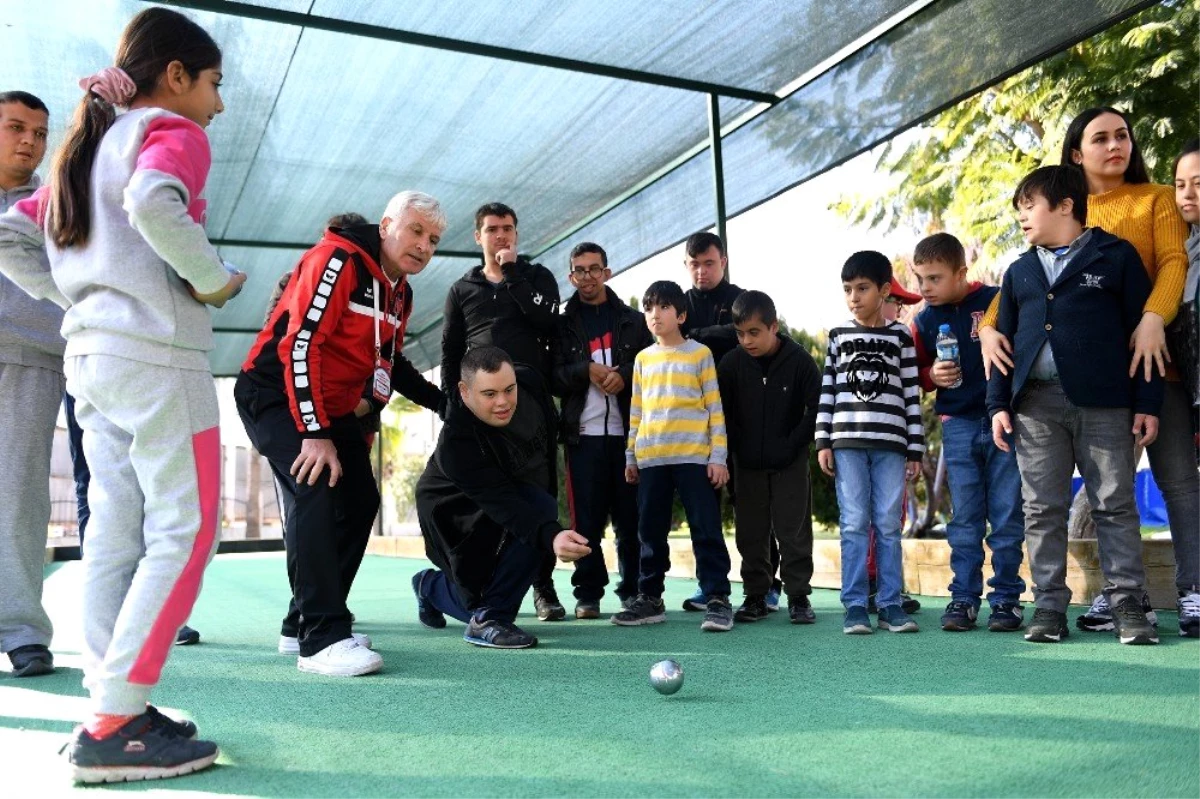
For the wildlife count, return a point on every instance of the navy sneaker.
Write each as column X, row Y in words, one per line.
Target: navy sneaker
column 428, row 615
column 718, row 617
column 800, row 610
column 644, row 609
column 1130, row 623
column 959, row 617
column 1189, row 614
column 893, row 618
column 754, row 607
column 497, row 635
column 1048, row 627
column 186, row 636
column 143, row 749
column 1006, row 617
column 857, row 622
column 184, row 729
column 32, row 660
column 697, row 602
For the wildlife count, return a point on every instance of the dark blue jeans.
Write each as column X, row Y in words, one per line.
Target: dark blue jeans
column 83, row 476
column 656, row 491
column 597, row 490
column 985, row 488
column 517, row 563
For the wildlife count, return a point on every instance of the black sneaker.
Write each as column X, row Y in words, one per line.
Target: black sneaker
column 587, row 609
column 643, row 610
column 186, row 637
column 497, row 635
column 427, row 614
column 1130, row 624
column 1006, row 617
column 908, row 604
column 959, row 617
column 184, row 729
column 718, row 617
column 753, row 608
column 800, row 610
column 545, row 602
column 1048, row 627
column 1099, row 616
column 143, row 749
column 32, row 660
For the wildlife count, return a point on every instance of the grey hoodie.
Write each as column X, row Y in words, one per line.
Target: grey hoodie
column 28, row 328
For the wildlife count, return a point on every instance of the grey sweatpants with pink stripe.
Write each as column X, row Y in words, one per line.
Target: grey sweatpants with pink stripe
column 151, row 438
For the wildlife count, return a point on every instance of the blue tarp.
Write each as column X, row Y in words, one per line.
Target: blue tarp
column 1149, row 499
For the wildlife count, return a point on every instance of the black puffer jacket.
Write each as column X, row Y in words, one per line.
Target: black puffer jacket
column 770, row 418
column 467, row 500
column 570, row 380
column 710, row 318
column 517, row 315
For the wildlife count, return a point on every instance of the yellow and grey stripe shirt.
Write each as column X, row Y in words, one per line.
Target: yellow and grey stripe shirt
column 675, row 415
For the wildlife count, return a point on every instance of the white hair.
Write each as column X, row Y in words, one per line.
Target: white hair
column 423, row 204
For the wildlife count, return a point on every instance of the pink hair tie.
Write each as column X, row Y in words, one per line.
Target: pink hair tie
column 111, row 85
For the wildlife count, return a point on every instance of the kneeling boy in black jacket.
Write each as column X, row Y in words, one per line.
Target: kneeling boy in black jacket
column 770, row 387
column 486, row 503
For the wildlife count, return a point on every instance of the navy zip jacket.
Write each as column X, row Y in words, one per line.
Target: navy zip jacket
column 771, row 418
column 1088, row 316
column 968, row 401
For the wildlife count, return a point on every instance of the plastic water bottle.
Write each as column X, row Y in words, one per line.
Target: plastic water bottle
column 947, row 350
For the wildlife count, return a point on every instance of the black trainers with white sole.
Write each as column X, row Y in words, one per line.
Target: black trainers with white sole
column 144, row 749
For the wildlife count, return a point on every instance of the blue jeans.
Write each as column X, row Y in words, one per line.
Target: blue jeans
column 656, row 490
column 870, row 488
column 985, row 488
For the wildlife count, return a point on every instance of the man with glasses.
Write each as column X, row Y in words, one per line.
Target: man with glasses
column 598, row 338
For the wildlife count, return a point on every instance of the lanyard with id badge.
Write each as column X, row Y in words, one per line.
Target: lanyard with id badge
column 381, row 385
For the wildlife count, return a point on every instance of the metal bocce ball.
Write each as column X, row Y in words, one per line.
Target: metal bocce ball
column 666, row 676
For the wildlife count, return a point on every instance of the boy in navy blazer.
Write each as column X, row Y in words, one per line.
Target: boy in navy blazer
column 1070, row 305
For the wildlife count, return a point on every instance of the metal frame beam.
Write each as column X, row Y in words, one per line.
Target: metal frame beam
column 718, row 164
column 237, row 9
column 295, row 245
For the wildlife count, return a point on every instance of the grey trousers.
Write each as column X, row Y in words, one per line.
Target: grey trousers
column 775, row 502
column 29, row 400
column 1052, row 436
column 1173, row 462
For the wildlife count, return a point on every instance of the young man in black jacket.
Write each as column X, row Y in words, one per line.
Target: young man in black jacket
column 598, row 338
column 510, row 303
column 486, row 504
column 770, row 388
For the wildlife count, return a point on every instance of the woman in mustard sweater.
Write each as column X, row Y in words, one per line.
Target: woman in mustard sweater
column 1123, row 201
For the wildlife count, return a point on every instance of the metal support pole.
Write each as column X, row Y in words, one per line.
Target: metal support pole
column 379, row 477
column 714, row 136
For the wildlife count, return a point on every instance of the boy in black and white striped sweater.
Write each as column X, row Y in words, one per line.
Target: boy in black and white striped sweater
column 870, row 438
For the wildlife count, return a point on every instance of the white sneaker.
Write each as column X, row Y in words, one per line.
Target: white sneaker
column 289, row 645
column 346, row 658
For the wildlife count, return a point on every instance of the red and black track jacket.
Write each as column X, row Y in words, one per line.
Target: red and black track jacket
column 318, row 345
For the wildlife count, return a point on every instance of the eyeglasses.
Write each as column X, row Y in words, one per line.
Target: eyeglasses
column 595, row 270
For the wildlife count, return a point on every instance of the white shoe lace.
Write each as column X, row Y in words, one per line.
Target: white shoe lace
column 1189, row 605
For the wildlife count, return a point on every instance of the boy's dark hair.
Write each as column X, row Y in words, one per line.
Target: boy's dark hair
column 1134, row 173
column 698, row 244
column 493, row 209
column 1056, row 184
column 482, row 359
column 24, row 98
column 348, row 219
column 872, row 265
column 152, row 40
column 750, row 304
column 940, row 247
column 665, row 292
column 586, row 247
column 1189, row 147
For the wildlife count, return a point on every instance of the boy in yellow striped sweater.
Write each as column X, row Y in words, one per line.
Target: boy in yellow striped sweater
column 676, row 444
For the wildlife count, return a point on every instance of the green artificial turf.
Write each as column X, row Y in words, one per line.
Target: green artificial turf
column 769, row 709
